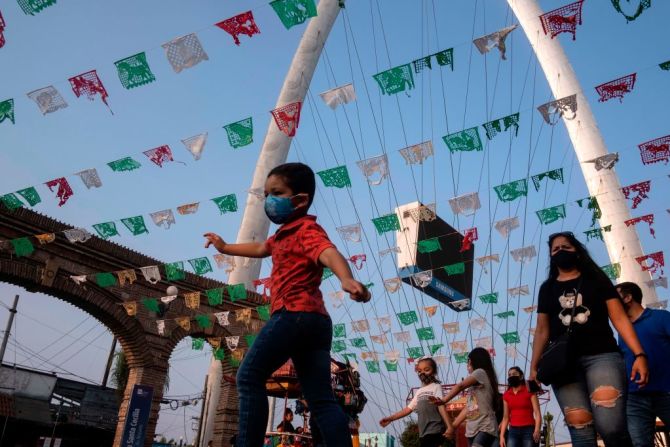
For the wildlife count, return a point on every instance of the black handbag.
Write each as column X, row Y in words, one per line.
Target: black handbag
column 557, row 361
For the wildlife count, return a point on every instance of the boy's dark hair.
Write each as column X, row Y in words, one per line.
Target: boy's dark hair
column 632, row 289
column 299, row 177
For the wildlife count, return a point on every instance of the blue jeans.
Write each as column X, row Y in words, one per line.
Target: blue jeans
column 482, row 439
column 596, row 401
column 304, row 337
column 642, row 409
column 520, row 436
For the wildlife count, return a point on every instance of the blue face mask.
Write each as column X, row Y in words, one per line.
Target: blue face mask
column 278, row 209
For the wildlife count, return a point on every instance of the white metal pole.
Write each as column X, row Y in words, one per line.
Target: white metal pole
column 271, row 415
column 623, row 243
column 255, row 225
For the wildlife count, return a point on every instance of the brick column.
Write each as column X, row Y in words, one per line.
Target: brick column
column 227, row 411
column 142, row 375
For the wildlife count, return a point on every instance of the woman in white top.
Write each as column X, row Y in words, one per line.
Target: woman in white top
column 433, row 421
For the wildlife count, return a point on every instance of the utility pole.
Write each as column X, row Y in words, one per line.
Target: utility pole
column 255, row 224
column 197, row 442
column 622, row 243
column 10, row 322
column 108, row 367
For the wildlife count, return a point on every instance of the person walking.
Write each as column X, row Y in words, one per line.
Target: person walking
column 433, row 421
column 481, row 426
column 653, row 329
column 299, row 327
column 522, row 420
column 579, row 297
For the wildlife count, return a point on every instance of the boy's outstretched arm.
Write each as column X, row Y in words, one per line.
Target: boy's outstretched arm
column 247, row 250
column 334, row 260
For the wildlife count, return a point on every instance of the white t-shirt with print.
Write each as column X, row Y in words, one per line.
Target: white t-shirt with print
column 430, row 421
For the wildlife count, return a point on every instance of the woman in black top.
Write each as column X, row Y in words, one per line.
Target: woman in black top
column 593, row 397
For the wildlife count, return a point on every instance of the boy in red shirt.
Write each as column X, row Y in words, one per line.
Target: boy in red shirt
column 299, row 327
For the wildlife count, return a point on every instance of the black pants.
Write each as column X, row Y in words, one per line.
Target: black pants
column 431, row 440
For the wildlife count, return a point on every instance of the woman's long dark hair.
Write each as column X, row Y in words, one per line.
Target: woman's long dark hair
column 517, row 369
column 585, row 264
column 481, row 359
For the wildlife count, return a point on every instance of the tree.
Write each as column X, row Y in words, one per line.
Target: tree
column 549, row 438
column 410, row 436
column 120, row 375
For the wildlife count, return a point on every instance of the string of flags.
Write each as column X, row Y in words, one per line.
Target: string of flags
column 616, row 88
column 287, row 119
column 204, row 321
column 494, row 40
column 174, row 271
column 642, row 5
column 468, row 204
column 187, row 51
column 2, row 29
column 563, row 20
column 239, row 134
column 295, row 12
column 399, row 79
column 192, row 300
column 135, row 71
column 136, row 75
column 135, row 224
column 459, row 347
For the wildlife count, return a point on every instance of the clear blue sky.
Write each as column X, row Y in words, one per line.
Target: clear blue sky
column 76, row 36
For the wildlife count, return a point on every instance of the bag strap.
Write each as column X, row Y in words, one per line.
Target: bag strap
column 574, row 305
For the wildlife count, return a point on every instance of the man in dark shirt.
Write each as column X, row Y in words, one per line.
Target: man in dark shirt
column 286, row 425
column 653, row 329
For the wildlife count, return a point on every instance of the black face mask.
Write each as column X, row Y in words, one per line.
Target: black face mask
column 514, row 381
column 565, row 260
column 425, row 378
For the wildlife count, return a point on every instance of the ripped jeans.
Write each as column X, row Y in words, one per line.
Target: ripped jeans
column 596, row 401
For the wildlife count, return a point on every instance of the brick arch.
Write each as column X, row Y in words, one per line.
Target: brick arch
column 226, row 417
column 93, row 301
column 48, row 269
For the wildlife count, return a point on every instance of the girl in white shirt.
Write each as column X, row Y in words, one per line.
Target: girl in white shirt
column 433, row 420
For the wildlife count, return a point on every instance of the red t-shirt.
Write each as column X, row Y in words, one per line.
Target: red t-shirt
column 520, row 407
column 296, row 272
